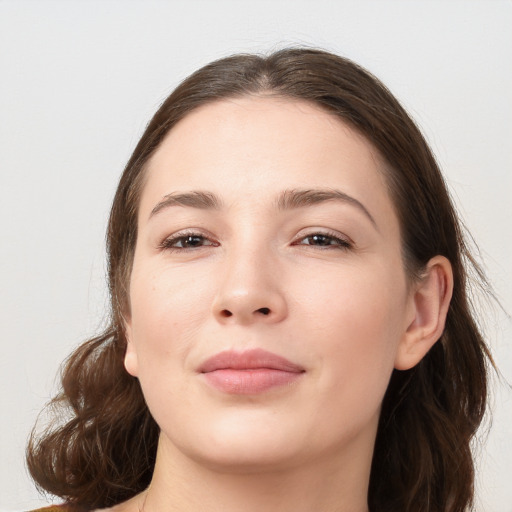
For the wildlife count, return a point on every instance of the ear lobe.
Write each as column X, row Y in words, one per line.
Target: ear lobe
column 130, row 358
column 431, row 301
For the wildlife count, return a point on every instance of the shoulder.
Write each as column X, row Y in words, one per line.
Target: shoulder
column 54, row 508
column 121, row 507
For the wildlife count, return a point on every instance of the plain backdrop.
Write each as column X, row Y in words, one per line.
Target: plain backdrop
column 80, row 79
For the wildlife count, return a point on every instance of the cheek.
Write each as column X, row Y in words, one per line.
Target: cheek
column 360, row 305
column 355, row 318
column 167, row 313
column 357, row 341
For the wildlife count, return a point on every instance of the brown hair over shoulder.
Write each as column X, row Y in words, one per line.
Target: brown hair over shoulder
column 104, row 452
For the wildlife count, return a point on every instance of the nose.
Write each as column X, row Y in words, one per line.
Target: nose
column 250, row 291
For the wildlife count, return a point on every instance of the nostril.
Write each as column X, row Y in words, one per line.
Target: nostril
column 264, row 311
column 225, row 313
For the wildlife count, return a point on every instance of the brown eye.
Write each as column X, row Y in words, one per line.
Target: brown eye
column 324, row 240
column 189, row 241
column 320, row 240
column 183, row 242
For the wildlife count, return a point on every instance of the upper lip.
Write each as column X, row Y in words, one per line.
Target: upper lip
column 249, row 360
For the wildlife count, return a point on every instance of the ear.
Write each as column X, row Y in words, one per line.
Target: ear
column 430, row 302
column 131, row 362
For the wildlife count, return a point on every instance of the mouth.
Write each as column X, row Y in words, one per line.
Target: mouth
column 249, row 372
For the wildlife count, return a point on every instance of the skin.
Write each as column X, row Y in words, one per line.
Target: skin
column 322, row 285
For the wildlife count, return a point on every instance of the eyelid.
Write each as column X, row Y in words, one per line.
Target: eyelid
column 166, row 243
column 345, row 241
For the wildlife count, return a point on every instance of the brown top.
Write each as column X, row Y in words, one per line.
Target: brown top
column 53, row 508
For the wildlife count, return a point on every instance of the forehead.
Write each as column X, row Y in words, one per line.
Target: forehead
column 254, row 147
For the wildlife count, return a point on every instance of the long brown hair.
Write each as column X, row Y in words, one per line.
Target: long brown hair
column 104, row 453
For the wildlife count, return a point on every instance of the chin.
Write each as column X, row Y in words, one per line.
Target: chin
column 245, row 459
column 242, row 446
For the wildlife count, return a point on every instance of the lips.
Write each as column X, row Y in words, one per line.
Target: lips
column 249, row 372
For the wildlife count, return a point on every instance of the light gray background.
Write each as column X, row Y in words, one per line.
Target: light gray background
column 79, row 80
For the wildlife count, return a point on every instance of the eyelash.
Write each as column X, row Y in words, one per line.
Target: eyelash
column 168, row 243
column 339, row 243
column 336, row 242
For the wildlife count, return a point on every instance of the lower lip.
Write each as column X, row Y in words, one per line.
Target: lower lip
column 249, row 382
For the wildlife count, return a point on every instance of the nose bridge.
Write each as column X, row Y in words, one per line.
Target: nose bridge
column 249, row 288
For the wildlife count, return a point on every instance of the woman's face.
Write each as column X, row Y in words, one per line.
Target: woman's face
column 268, row 294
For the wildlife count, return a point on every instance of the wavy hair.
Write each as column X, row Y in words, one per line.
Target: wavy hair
column 104, row 451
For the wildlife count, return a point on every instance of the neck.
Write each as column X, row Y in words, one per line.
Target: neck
column 330, row 484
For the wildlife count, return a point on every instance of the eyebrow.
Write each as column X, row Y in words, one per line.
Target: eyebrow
column 299, row 198
column 195, row 199
column 287, row 200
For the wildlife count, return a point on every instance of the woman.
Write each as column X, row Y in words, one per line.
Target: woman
column 290, row 321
